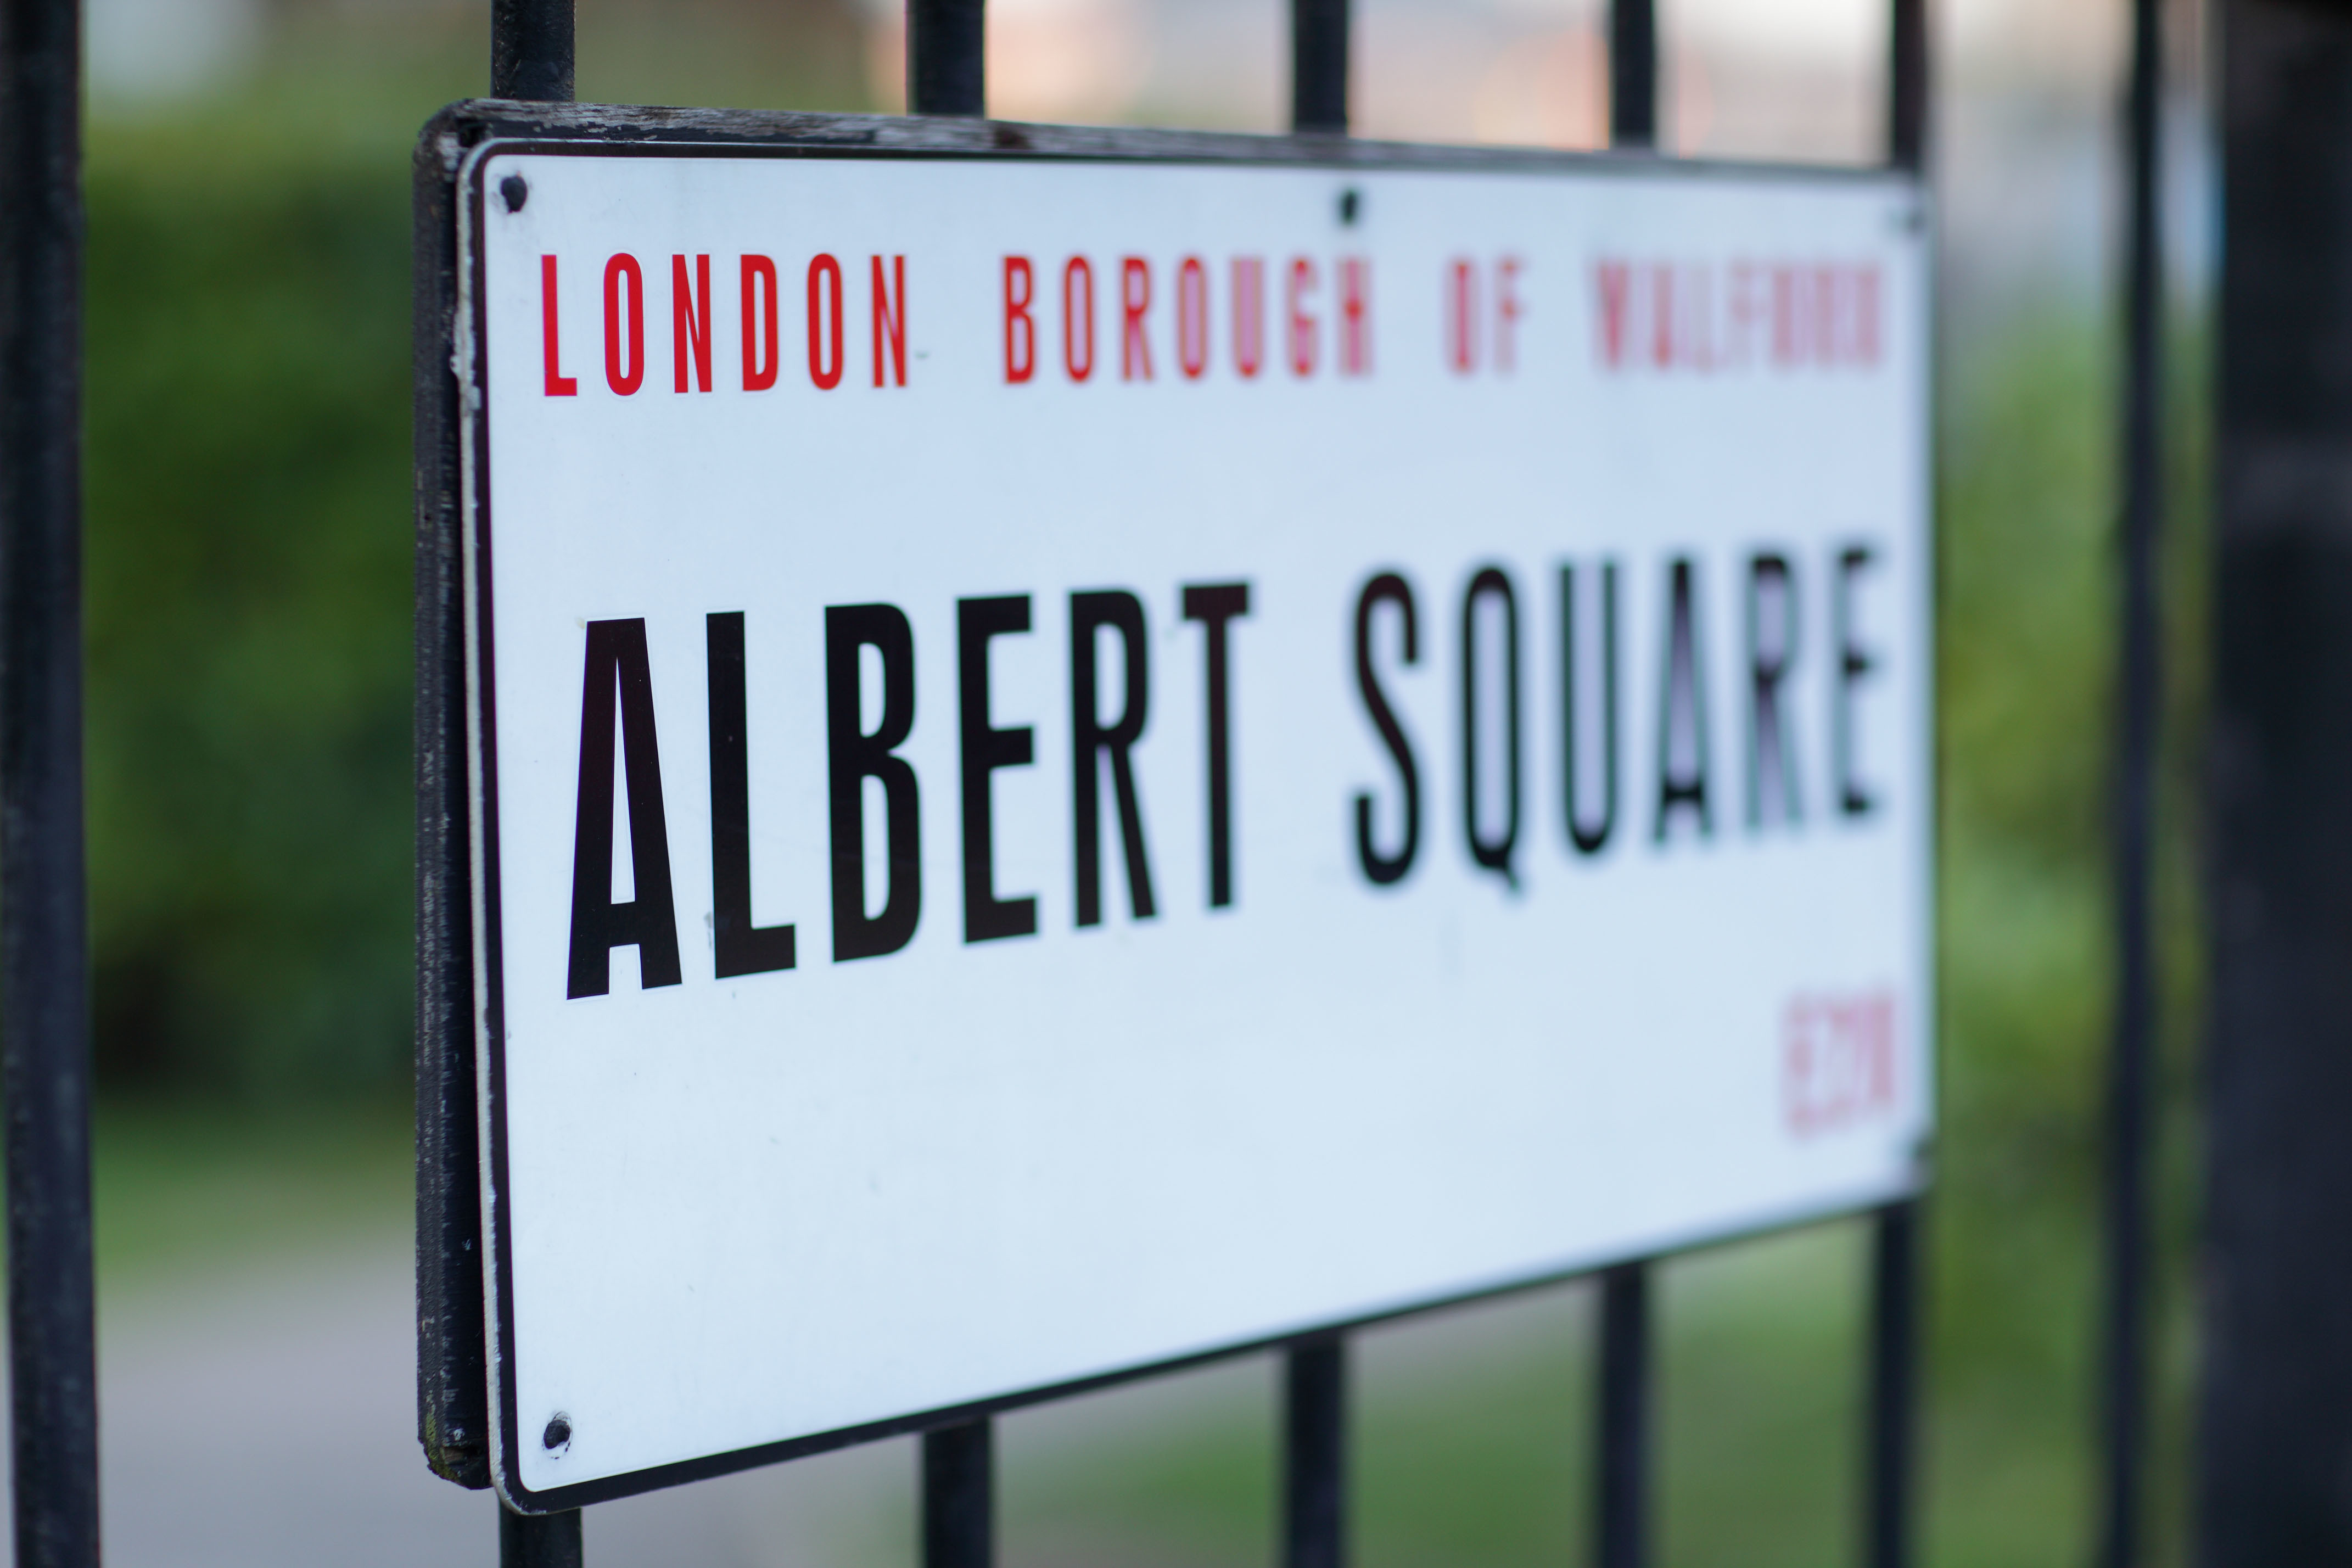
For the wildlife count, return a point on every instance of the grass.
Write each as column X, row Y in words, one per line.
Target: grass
column 1472, row 1439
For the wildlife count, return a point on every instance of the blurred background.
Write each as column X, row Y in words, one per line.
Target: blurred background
column 248, row 548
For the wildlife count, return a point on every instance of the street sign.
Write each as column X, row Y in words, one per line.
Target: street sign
column 1083, row 762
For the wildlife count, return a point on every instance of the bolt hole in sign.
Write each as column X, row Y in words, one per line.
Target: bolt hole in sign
column 1081, row 764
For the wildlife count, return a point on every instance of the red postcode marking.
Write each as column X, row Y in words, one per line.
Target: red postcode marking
column 1837, row 1060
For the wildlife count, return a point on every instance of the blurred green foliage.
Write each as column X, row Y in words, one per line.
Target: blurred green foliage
column 247, row 569
column 2027, row 690
column 248, row 527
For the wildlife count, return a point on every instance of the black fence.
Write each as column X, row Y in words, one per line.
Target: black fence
column 533, row 59
column 44, row 1021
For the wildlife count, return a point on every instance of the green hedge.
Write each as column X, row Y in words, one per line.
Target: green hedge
column 249, row 606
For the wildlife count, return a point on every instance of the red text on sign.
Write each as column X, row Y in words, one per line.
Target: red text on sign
column 690, row 320
column 760, row 324
column 625, row 324
column 1482, row 315
column 558, row 383
column 1740, row 314
column 1837, row 1060
column 1150, row 329
column 1019, row 327
column 891, row 319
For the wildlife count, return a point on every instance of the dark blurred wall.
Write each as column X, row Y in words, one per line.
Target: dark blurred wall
column 2276, row 1447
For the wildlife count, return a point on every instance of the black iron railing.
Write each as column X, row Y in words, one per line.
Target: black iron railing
column 946, row 76
column 43, row 1025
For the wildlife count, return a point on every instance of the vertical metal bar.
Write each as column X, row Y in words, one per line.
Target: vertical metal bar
column 1907, row 85
column 2274, row 1402
column 947, row 58
column 1315, row 1456
column 1622, row 1491
column 1315, row 1375
column 960, row 1496
column 1632, row 73
column 1318, row 66
column 1622, row 1482
column 44, row 954
column 2130, row 1069
column 532, row 58
column 531, row 50
column 538, row 1540
column 1893, row 1394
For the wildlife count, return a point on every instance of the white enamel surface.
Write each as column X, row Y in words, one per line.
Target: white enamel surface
column 752, row 1210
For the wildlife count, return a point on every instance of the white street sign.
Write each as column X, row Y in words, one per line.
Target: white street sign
column 1079, row 764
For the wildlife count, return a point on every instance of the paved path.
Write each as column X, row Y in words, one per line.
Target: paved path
column 266, row 1417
